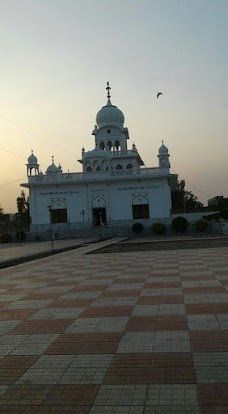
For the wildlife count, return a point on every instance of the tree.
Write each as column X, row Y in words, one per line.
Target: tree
column 23, row 210
column 1, row 213
column 183, row 199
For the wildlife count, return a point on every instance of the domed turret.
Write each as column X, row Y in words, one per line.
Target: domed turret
column 109, row 115
column 52, row 169
column 163, row 156
column 163, row 149
column 32, row 165
column 32, row 159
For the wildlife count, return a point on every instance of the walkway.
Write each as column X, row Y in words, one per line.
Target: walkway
column 128, row 333
column 14, row 253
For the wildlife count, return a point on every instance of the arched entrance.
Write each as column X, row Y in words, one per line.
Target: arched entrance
column 99, row 211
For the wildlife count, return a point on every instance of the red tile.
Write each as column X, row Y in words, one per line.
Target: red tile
column 172, row 359
column 172, row 375
column 70, row 303
column 219, row 334
column 90, row 288
column 16, row 314
column 163, row 299
column 127, row 375
column 104, row 311
column 121, row 293
column 210, row 346
column 131, row 280
column 72, row 337
column 99, row 347
column 213, row 394
column 213, row 409
column 64, row 348
column 205, row 289
column 198, row 308
column 219, row 307
column 105, row 336
column 72, row 395
column 42, row 296
column 160, row 323
column 157, row 368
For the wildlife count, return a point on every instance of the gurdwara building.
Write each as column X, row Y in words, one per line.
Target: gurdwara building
column 113, row 191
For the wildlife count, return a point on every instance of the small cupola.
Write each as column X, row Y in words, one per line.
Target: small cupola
column 52, row 169
column 32, row 165
column 163, row 156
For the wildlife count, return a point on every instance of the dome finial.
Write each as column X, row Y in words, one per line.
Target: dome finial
column 108, row 88
column 162, row 141
column 52, row 159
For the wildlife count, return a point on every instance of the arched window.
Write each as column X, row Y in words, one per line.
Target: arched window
column 129, row 166
column 98, row 168
column 109, row 145
column 88, row 169
column 102, row 145
column 117, row 145
column 119, row 167
column 58, row 212
column 140, row 207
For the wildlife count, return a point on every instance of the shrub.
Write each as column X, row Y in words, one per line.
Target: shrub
column 137, row 227
column 158, row 228
column 180, row 224
column 5, row 238
column 201, row 225
column 37, row 238
column 21, row 235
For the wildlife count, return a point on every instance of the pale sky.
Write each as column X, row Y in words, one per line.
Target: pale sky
column 57, row 55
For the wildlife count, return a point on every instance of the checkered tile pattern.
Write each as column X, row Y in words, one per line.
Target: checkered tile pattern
column 130, row 333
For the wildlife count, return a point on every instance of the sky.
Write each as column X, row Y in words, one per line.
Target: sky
column 57, row 55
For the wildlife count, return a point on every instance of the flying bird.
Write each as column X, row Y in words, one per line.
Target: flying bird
column 159, row 93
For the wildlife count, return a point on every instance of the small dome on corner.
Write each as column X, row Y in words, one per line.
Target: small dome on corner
column 32, row 159
column 163, row 149
column 52, row 169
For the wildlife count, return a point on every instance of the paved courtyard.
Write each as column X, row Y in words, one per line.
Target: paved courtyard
column 128, row 333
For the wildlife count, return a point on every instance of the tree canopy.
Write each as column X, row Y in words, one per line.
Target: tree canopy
column 183, row 199
column 23, row 209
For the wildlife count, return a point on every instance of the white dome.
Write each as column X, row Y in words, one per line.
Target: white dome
column 110, row 115
column 52, row 169
column 97, row 154
column 163, row 149
column 32, row 159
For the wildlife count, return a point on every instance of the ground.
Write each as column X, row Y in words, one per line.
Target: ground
column 134, row 332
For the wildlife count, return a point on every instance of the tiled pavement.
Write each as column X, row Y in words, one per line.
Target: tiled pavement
column 137, row 333
column 14, row 251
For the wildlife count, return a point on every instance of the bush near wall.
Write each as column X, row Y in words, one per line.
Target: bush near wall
column 137, row 227
column 5, row 238
column 21, row 235
column 180, row 224
column 201, row 225
column 158, row 228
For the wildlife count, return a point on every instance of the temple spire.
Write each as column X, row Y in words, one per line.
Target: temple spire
column 108, row 88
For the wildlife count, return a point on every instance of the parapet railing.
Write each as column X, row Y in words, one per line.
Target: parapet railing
column 77, row 176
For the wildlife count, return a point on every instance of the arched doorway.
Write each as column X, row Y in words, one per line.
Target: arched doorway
column 140, row 207
column 99, row 211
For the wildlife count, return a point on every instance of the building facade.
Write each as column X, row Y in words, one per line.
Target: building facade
column 114, row 189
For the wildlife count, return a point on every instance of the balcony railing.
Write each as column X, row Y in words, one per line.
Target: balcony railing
column 97, row 175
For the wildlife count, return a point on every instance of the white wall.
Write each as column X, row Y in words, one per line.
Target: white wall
column 118, row 196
